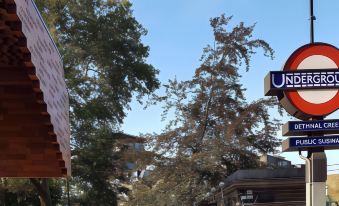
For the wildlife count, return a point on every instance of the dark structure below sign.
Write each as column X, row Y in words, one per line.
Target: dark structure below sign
column 34, row 119
column 264, row 187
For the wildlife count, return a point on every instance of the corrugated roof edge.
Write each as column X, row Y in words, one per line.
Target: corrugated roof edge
column 265, row 174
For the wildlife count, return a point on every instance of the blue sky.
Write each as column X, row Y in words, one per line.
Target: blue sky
column 178, row 30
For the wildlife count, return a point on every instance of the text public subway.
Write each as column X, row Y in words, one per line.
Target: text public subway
column 316, row 141
column 305, row 79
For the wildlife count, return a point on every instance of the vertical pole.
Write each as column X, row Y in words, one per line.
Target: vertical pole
column 316, row 175
column 222, row 197
column 308, row 180
column 68, row 196
column 319, row 177
column 312, row 19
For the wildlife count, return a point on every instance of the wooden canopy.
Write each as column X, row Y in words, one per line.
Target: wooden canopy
column 34, row 119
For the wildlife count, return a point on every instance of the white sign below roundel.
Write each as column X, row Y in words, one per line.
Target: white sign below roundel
column 317, row 62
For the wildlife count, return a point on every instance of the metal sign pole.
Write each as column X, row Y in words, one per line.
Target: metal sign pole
column 316, row 166
column 312, row 19
column 308, row 174
column 316, row 176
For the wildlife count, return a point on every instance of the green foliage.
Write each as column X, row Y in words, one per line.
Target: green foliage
column 104, row 61
column 103, row 56
column 216, row 131
column 20, row 192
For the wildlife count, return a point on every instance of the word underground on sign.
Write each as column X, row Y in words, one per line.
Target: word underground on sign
column 305, row 79
column 304, row 127
column 312, row 67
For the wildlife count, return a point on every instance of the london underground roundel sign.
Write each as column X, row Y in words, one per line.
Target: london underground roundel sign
column 308, row 85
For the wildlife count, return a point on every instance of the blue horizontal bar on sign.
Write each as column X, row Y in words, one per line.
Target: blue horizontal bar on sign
column 304, row 143
column 305, row 127
column 277, row 81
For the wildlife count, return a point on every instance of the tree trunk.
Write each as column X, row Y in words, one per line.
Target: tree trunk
column 43, row 189
column 68, row 197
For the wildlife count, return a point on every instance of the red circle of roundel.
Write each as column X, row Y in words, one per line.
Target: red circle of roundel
column 292, row 64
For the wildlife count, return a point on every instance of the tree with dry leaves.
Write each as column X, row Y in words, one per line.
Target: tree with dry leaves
column 216, row 131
